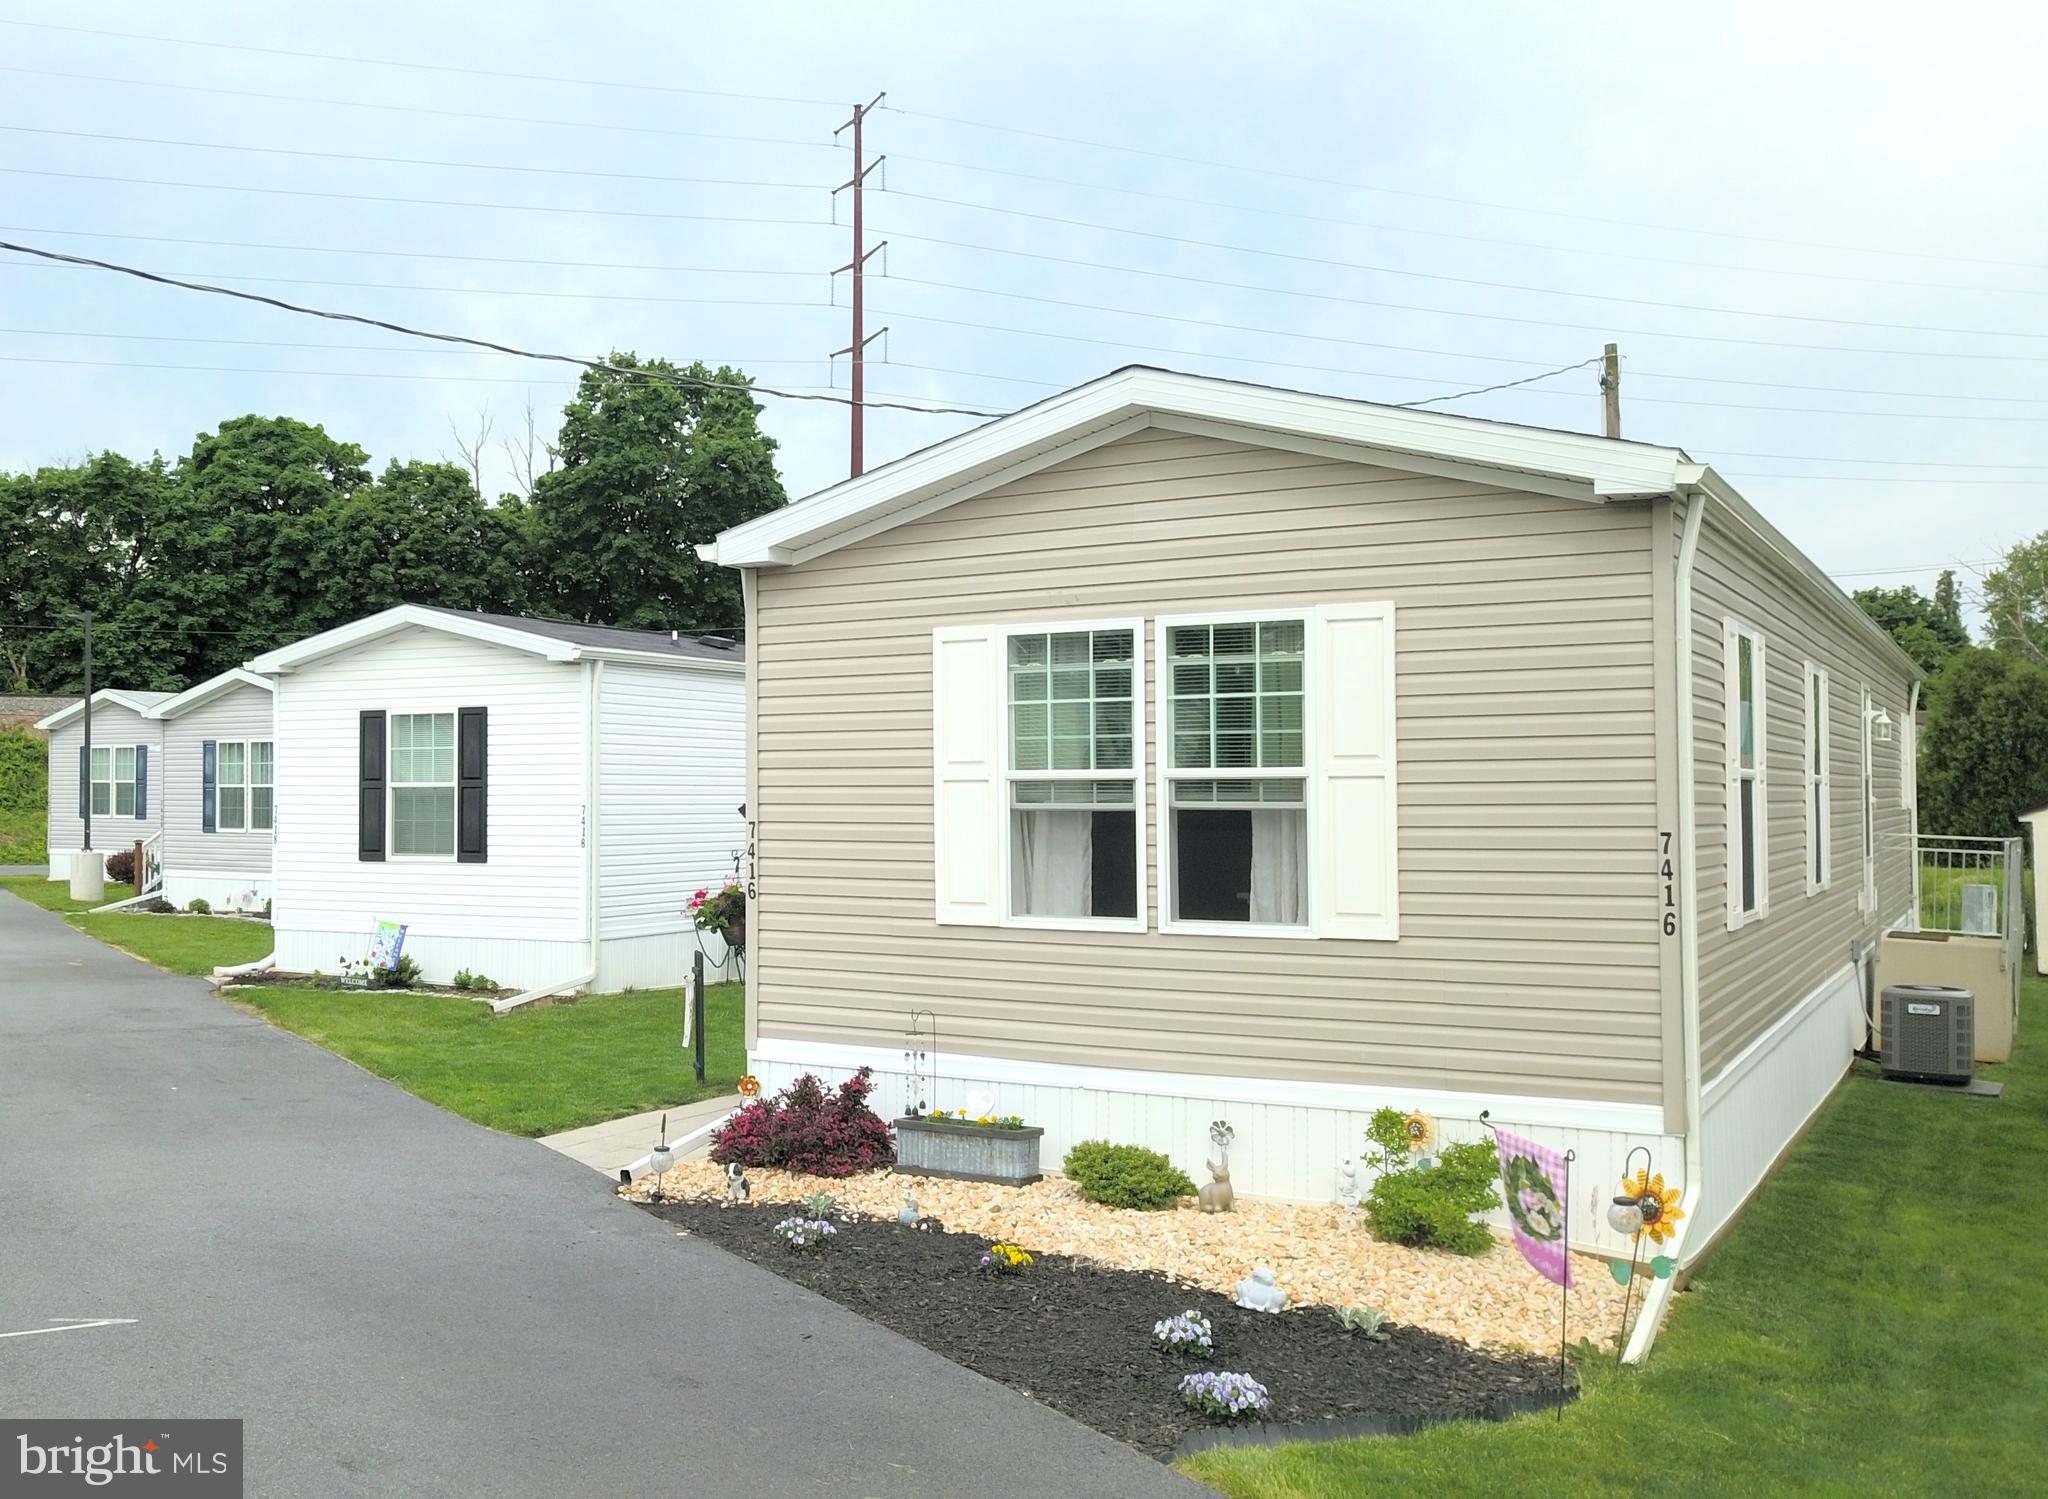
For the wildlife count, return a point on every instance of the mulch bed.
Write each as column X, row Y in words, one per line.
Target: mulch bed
column 1078, row 1336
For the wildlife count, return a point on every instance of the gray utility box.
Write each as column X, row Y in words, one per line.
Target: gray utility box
column 967, row 1152
column 1930, row 1033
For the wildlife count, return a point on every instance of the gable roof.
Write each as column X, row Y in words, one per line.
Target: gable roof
column 550, row 639
column 121, row 697
column 1571, row 464
column 201, row 693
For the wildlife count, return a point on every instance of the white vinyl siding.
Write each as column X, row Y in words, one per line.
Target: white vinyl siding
column 1819, row 784
column 527, row 902
column 1748, row 805
column 1527, row 959
column 242, row 714
column 422, row 770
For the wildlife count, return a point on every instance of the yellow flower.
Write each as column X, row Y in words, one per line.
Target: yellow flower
column 1421, row 1131
column 1658, row 1202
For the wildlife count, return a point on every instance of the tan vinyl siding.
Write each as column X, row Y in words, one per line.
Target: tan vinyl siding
column 1751, row 978
column 1528, row 961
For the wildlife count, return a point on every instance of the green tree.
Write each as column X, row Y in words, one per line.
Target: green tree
column 1984, row 756
column 1928, row 630
column 421, row 534
column 2016, row 600
column 650, row 467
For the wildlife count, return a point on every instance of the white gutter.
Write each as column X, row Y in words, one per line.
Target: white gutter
column 545, row 991
column 238, row 970
column 1657, row 1299
column 133, row 900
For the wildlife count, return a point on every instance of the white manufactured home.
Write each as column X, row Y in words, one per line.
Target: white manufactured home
column 120, row 784
column 535, row 800
column 1193, row 750
column 219, row 791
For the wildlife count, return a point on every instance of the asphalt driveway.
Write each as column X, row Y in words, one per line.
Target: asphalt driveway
column 396, row 1302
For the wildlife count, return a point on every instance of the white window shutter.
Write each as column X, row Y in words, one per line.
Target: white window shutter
column 1356, row 878
column 1763, row 783
column 967, row 748
column 1731, row 678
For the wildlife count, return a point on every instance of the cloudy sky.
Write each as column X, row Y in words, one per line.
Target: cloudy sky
column 1815, row 231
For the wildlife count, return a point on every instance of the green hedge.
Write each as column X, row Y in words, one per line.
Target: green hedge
column 24, row 796
column 1126, row 1176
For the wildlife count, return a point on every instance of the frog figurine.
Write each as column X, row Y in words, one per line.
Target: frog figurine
column 1257, row 1293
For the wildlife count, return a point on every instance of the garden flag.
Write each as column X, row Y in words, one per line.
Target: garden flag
column 1534, row 1180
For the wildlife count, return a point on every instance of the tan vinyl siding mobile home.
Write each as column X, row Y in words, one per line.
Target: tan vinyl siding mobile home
column 1528, row 961
column 1754, row 977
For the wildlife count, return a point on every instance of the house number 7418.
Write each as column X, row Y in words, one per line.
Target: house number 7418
column 1664, row 873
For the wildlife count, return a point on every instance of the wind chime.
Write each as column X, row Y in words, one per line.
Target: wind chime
column 1644, row 1208
column 920, row 1063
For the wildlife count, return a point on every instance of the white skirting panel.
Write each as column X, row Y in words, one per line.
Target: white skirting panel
column 655, row 960
column 518, row 963
column 60, row 862
column 224, row 890
column 1290, row 1136
column 1763, row 1098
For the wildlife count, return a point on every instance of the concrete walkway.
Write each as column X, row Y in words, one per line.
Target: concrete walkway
column 619, row 1142
column 397, row 1302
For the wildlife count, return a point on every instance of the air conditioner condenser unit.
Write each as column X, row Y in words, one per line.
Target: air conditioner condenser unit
column 1930, row 1033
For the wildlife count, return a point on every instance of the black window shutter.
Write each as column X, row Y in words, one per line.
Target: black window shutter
column 209, row 789
column 472, row 784
column 141, row 782
column 84, row 786
column 370, row 787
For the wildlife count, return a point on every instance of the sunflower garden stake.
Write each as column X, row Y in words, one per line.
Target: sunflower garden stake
column 1644, row 1208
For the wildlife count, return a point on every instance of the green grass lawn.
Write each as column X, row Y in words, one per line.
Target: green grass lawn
column 530, row 1072
column 55, row 895
column 183, row 944
column 1874, row 1324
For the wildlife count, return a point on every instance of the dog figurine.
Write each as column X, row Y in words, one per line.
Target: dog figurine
column 737, row 1191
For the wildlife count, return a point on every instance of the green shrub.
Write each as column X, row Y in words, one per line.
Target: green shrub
column 1126, row 1176
column 1432, row 1206
column 463, row 979
column 24, row 771
column 200, row 906
column 405, row 976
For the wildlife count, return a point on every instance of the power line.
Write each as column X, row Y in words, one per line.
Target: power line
column 307, row 192
column 1876, row 478
column 1504, row 385
column 439, row 379
column 279, row 343
column 1398, row 192
column 1353, row 265
column 608, row 84
column 600, row 365
column 1268, row 210
column 1492, row 317
column 417, row 161
column 422, row 109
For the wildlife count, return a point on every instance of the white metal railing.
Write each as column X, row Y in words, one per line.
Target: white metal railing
column 149, row 874
column 1968, row 886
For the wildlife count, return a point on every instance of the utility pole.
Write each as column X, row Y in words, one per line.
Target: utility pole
column 1610, row 390
column 87, row 802
column 858, row 265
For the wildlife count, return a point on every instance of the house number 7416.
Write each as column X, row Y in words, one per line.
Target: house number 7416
column 1664, row 873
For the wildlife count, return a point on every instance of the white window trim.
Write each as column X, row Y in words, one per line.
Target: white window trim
column 1820, row 816
column 93, row 781
column 1165, row 775
column 1732, row 632
column 114, row 779
column 247, row 785
column 1866, row 830
column 1007, row 774
column 392, row 786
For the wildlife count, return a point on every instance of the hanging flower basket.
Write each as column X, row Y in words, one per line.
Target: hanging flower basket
column 968, row 1152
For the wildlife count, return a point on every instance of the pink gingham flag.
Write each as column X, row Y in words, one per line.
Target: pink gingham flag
column 1534, row 1181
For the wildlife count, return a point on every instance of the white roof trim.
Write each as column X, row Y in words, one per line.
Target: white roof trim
column 120, row 697
column 406, row 616
column 201, row 693
column 347, row 637
column 1593, row 468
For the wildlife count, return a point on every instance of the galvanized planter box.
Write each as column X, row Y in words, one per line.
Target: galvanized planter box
column 967, row 1152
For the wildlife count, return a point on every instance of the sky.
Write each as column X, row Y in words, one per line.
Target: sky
column 1816, row 232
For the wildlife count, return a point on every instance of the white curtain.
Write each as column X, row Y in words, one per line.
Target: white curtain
column 1052, row 863
column 1279, row 867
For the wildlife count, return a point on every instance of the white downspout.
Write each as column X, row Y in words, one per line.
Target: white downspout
column 593, row 680
column 1658, row 1298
